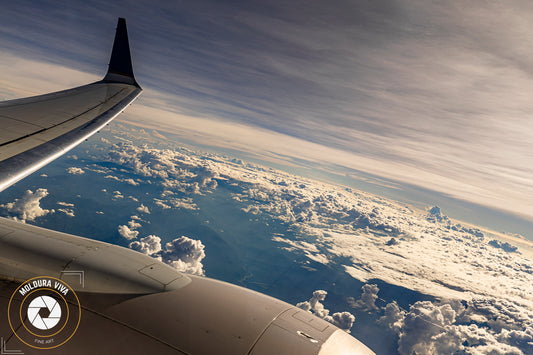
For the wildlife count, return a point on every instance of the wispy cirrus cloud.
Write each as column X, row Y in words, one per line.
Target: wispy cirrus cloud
column 430, row 94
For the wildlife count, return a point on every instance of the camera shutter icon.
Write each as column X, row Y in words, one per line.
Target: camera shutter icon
column 44, row 312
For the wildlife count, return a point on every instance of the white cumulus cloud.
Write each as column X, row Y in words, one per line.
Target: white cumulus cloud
column 149, row 245
column 142, row 208
column 183, row 253
column 128, row 180
column 440, row 328
column 174, row 170
column 65, row 204
column 368, row 298
column 67, row 208
column 127, row 232
column 75, row 171
column 28, row 207
column 133, row 224
column 67, row 211
column 343, row 320
column 161, row 204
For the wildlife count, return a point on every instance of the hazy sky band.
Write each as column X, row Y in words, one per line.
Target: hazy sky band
column 436, row 94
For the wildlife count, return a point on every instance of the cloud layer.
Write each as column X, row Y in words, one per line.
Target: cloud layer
column 479, row 281
column 370, row 238
column 426, row 93
column 475, row 328
column 334, row 220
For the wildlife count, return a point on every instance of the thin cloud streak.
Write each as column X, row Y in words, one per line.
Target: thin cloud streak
column 430, row 94
column 465, row 183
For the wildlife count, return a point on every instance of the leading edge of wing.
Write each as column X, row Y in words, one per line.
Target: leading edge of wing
column 39, row 129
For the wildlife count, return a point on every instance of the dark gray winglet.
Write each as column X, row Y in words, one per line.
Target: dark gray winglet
column 120, row 68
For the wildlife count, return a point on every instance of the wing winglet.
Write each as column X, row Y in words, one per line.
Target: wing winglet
column 120, row 68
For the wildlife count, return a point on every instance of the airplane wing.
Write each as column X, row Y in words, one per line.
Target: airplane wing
column 37, row 130
column 60, row 293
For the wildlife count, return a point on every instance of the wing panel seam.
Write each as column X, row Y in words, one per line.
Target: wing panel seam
column 21, row 121
column 59, row 124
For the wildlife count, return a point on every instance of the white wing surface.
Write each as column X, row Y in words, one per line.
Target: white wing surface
column 37, row 130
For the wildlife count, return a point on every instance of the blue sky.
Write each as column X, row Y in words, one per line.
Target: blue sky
column 431, row 94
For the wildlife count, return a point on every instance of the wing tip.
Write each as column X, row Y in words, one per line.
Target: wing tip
column 120, row 68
